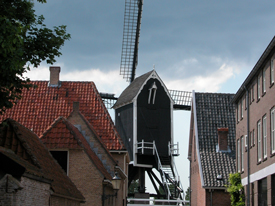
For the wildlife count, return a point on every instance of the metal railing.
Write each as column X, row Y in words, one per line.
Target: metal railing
column 146, row 202
column 160, row 168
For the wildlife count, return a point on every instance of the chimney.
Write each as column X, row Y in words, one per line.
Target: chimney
column 76, row 106
column 54, row 76
column 222, row 138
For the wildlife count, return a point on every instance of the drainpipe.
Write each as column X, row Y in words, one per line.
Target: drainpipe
column 248, row 147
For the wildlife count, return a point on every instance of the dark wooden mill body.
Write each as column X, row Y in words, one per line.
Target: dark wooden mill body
column 144, row 113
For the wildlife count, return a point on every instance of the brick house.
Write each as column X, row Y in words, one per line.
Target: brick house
column 255, row 130
column 41, row 106
column 211, row 149
column 29, row 175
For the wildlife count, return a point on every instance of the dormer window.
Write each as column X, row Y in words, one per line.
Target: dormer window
column 152, row 94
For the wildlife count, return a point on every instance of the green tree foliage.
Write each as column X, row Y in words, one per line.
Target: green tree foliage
column 236, row 190
column 187, row 195
column 133, row 187
column 25, row 41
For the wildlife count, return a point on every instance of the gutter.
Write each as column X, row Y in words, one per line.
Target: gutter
column 255, row 69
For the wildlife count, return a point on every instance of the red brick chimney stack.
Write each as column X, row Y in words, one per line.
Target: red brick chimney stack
column 54, row 76
column 222, row 138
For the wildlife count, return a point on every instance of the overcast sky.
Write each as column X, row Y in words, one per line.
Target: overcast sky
column 207, row 46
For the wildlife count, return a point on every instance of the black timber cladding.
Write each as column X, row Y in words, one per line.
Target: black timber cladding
column 215, row 111
column 124, row 125
column 154, row 119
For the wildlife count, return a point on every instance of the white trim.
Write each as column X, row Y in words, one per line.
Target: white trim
column 264, row 137
column 143, row 165
column 259, row 141
column 153, row 75
column 269, row 170
column 172, row 124
column 196, row 138
column 242, row 153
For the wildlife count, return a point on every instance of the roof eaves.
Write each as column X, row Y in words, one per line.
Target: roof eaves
column 254, row 71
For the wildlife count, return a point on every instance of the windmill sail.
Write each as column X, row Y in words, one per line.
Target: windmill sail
column 131, row 33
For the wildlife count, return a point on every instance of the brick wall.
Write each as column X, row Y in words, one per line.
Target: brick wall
column 32, row 192
column 219, row 198
column 76, row 119
column 86, row 177
column 197, row 192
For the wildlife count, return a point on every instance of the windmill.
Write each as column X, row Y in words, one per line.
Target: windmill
column 144, row 112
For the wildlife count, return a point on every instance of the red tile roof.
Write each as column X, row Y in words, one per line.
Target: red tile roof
column 60, row 135
column 39, row 107
column 70, row 137
column 37, row 160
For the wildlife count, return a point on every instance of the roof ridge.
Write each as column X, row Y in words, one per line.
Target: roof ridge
column 99, row 139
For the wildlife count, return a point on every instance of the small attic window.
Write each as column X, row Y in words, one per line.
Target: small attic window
column 152, row 94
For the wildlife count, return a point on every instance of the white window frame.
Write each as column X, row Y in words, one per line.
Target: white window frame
column 264, row 137
column 245, row 141
column 242, row 153
column 259, row 138
column 272, row 71
column 259, row 87
column 239, row 156
column 272, row 128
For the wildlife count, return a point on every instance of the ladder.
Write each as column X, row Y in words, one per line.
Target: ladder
column 167, row 169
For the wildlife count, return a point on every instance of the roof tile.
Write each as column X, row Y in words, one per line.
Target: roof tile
column 39, row 107
column 215, row 111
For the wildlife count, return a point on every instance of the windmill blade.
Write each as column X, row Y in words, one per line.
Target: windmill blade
column 131, row 33
column 182, row 99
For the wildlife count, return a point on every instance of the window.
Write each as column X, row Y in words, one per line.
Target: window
column 252, row 94
column 253, row 137
column 272, row 71
column 242, row 151
column 241, row 108
column 259, row 87
column 239, row 157
column 262, row 195
column 272, row 127
column 259, row 141
column 62, row 158
column 246, row 141
column 238, row 116
column 263, row 82
column 264, row 137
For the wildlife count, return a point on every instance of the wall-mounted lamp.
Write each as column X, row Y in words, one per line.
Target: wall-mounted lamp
column 116, row 182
